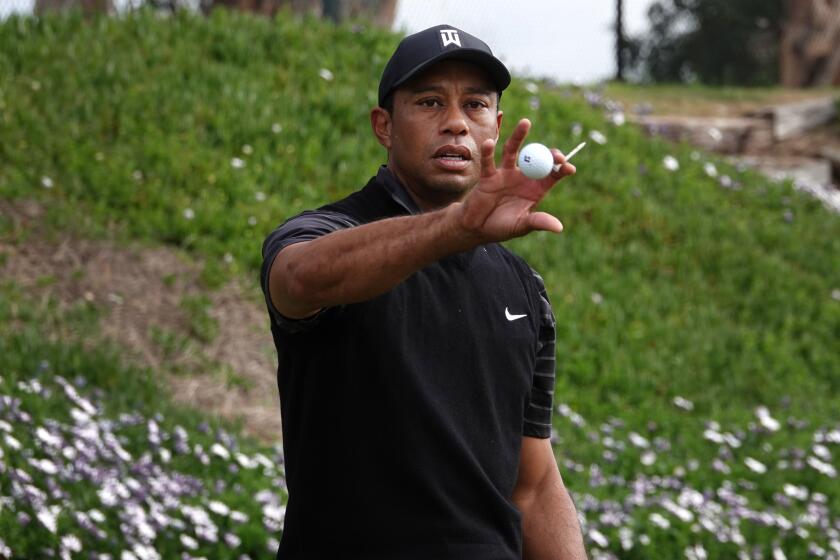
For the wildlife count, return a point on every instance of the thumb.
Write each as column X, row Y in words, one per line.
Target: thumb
column 545, row 222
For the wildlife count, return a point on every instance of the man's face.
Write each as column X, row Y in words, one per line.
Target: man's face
column 439, row 121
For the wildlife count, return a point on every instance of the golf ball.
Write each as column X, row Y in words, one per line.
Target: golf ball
column 535, row 161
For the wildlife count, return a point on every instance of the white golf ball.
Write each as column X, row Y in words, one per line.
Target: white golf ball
column 535, row 161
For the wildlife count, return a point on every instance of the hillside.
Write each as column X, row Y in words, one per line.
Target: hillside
column 698, row 305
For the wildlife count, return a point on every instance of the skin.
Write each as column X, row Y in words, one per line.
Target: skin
column 450, row 108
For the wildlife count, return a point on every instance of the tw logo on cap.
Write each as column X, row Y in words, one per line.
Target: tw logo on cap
column 449, row 37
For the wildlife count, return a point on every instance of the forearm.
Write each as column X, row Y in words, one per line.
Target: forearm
column 549, row 523
column 360, row 263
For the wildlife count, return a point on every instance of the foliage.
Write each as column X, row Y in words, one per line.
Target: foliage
column 679, row 278
column 91, row 458
column 712, row 41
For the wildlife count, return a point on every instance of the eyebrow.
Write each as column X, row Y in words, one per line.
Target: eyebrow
column 441, row 89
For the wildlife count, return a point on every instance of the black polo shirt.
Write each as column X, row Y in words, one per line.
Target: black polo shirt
column 403, row 416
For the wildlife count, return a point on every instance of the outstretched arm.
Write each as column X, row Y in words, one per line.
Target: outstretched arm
column 550, row 528
column 357, row 264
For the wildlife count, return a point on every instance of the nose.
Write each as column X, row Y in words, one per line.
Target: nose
column 454, row 121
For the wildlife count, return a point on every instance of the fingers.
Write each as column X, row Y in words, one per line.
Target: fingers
column 514, row 143
column 561, row 167
column 488, row 162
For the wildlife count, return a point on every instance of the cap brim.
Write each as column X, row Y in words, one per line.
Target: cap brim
column 495, row 69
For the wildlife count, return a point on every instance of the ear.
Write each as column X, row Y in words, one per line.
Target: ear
column 499, row 116
column 380, row 122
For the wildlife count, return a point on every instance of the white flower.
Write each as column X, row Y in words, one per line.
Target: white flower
column 715, row 134
column 618, row 118
column 137, row 175
column 835, row 295
column 598, row 137
column 189, row 214
column 683, row 403
column 71, row 543
column 275, row 513
column 325, row 74
column 822, row 452
column 47, row 182
column 778, row 553
column 696, row 552
column 638, row 440
column 670, row 163
column 165, row 455
column 188, row 542
column 218, row 507
column 798, row 492
column 228, row 258
column 247, row 149
column 648, row 458
column 107, row 495
column 259, row 196
column 219, row 450
column 531, row 87
column 276, row 128
column 824, row 468
column 79, row 415
column 659, row 520
column 238, row 517
column 47, row 438
column 252, row 220
column 237, row 163
column 755, row 466
column 5, row 426
column 96, row 515
column 145, row 552
column 767, row 421
column 232, row 540
column 713, row 436
column 597, row 298
column 598, row 538
column 11, row 442
column 682, row 513
column 44, row 465
column 47, row 517
column 245, row 461
column 710, row 169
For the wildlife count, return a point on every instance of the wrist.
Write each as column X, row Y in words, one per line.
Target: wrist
column 458, row 230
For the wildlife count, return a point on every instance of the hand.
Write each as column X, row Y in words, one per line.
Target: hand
column 501, row 206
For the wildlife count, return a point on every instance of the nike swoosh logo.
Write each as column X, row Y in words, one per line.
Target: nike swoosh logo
column 513, row 317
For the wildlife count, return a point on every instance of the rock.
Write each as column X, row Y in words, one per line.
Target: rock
column 810, row 170
column 725, row 135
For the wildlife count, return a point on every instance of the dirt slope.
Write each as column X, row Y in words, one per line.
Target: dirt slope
column 141, row 290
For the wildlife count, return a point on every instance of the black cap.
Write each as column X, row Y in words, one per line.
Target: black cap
column 424, row 48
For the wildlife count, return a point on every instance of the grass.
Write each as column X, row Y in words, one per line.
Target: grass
column 700, row 100
column 667, row 285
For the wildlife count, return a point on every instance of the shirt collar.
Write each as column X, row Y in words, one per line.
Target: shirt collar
column 395, row 188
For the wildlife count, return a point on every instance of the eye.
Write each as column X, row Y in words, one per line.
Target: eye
column 476, row 104
column 431, row 102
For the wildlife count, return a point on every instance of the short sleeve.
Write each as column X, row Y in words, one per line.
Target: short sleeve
column 304, row 227
column 538, row 413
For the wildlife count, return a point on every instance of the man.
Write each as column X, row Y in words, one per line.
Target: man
column 416, row 355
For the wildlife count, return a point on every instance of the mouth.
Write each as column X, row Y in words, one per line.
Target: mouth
column 453, row 157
